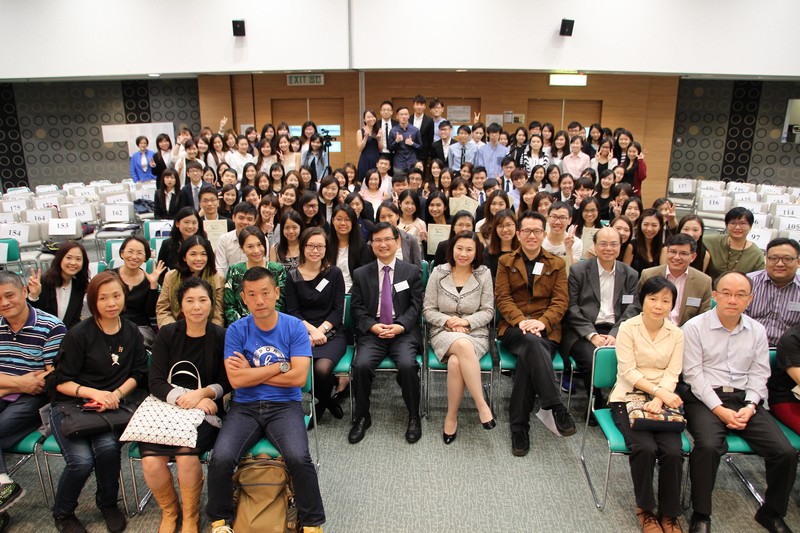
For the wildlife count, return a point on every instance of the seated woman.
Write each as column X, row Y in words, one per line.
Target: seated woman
column 496, row 202
column 287, row 251
column 461, row 221
column 254, row 245
column 60, row 292
column 733, row 250
column 503, row 239
column 650, row 359
column 142, row 288
column 645, row 252
column 783, row 403
column 346, row 248
column 364, row 214
column 193, row 339
column 459, row 306
column 101, row 359
column 195, row 258
column 315, row 295
column 266, row 221
column 186, row 224
column 693, row 225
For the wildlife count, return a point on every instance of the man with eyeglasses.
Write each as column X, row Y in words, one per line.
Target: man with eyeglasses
column 386, row 303
column 726, row 364
column 561, row 240
column 532, row 298
column 694, row 287
column 776, row 290
column 601, row 296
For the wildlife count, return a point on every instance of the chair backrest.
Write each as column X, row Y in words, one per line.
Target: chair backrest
column 777, row 198
column 51, row 200
column 112, row 249
column 348, row 318
column 65, row 228
column 19, row 231
column 785, row 210
column 682, row 186
column 739, row 187
column 771, row 189
column 86, row 213
column 10, row 204
column 151, row 227
column 95, row 267
column 117, row 213
column 604, row 374
column 786, row 223
column 39, row 215
column 745, row 196
column 9, row 218
column 762, row 236
column 155, row 244
column 714, row 204
column 424, row 274
column 9, row 250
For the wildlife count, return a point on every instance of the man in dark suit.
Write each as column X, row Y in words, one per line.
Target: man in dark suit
column 386, row 124
column 424, row 124
column 441, row 148
column 694, row 287
column 386, row 303
column 601, row 296
column 191, row 191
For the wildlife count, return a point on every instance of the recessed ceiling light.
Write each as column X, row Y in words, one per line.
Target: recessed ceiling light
column 569, row 80
column 154, row 75
column 461, row 70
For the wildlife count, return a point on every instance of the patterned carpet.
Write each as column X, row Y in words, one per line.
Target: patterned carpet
column 383, row 484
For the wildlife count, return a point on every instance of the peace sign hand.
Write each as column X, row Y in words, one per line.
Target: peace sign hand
column 35, row 284
column 569, row 240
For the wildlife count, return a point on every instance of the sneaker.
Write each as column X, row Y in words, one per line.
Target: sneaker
column 520, row 443
column 567, row 385
column 10, row 494
column 115, row 519
column 5, row 519
column 221, row 526
column 564, row 423
column 546, row 417
column 69, row 524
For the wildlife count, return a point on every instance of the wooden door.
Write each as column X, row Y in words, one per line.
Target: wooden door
column 587, row 112
column 293, row 111
column 328, row 112
column 546, row 111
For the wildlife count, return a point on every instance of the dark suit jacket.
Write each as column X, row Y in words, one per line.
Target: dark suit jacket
column 47, row 302
column 186, row 193
column 163, row 211
column 698, row 285
column 425, row 135
column 407, row 303
column 584, row 300
column 438, row 149
column 159, row 168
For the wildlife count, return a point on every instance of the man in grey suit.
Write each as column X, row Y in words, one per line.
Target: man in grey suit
column 601, row 296
column 694, row 287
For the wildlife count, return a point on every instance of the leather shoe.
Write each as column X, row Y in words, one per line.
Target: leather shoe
column 699, row 525
column 335, row 409
column 491, row 424
column 448, row 439
column 771, row 521
column 342, row 394
column 414, row 431
column 359, row 429
column 520, row 443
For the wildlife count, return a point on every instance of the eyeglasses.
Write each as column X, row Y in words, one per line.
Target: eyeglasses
column 387, row 240
column 562, row 218
column 603, row 244
column 739, row 224
column 786, row 260
column 510, row 225
column 317, row 247
column 311, row 206
column 525, row 233
column 725, row 295
column 209, row 200
column 683, row 254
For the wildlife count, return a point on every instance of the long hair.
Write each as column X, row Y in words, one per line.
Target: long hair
column 495, row 244
column 52, row 278
column 304, row 237
column 640, row 243
column 355, row 242
column 209, row 270
column 283, row 245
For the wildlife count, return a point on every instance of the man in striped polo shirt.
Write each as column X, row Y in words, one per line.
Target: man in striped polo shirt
column 776, row 290
column 29, row 341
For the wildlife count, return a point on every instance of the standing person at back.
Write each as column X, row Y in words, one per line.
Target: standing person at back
column 424, row 124
column 404, row 142
column 491, row 154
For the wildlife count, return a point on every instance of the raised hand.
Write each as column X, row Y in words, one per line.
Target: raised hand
column 222, row 123
column 35, row 284
column 153, row 277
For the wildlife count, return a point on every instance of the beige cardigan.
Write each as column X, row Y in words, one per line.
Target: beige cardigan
column 168, row 308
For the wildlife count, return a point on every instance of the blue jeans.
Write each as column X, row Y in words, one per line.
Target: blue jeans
column 282, row 423
column 17, row 420
column 100, row 452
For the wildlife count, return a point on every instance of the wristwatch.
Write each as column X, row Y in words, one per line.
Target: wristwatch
column 284, row 366
column 752, row 405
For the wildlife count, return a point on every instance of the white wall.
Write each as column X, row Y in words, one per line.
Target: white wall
column 59, row 38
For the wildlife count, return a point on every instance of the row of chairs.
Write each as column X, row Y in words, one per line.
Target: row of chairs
column 604, row 375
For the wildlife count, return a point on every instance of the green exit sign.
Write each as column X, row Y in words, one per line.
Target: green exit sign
column 305, row 79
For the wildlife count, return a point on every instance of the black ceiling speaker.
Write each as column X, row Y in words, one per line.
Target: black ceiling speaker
column 238, row 28
column 566, row 27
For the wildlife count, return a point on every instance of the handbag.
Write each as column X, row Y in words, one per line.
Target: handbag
column 669, row 420
column 159, row 422
column 79, row 423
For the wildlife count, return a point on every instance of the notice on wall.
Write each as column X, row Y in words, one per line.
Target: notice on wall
column 494, row 119
column 459, row 113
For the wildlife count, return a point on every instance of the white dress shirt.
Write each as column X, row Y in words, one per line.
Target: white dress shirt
column 606, row 313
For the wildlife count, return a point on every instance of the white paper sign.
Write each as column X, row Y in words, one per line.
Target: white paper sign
column 760, row 220
column 115, row 213
column 736, row 186
column 754, row 207
column 789, row 224
column 771, row 189
column 81, row 212
column 693, row 301
column 117, row 198
column 713, row 204
column 118, row 187
column 39, row 215
column 760, row 237
column 154, row 226
column 7, row 218
column 401, row 286
column 627, row 299
column 19, row 232
column 777, row 198
column 3, row 251
column 44, row 202
column 790, row 210
column 748, row 196
column 706, row 184
column 681, row 186
column 459, row 113
column 63, row 226
column 15, row 206
column 84, row 191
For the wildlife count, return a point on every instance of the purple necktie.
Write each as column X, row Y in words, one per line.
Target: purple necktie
column 386, row 297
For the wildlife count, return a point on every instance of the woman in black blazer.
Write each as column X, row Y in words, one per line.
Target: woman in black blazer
column 162, row 160
column 168, row 184
column 66, row 279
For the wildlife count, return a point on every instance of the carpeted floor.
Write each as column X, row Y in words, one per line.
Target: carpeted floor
column 383, row 484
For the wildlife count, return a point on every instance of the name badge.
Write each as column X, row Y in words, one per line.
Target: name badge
column 322, row 284
column 537, row 269
column 794, row 306
column 693, row 302
column 400, row 287
column 627, row 299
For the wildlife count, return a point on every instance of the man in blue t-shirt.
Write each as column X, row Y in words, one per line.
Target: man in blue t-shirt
column 267, row 358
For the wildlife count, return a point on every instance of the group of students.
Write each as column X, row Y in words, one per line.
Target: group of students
column 278, row 278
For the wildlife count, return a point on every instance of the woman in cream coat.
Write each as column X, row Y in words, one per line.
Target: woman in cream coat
column 459, row 306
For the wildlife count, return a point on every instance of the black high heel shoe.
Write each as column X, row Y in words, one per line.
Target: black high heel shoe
column 448, row 439
column 490, row 424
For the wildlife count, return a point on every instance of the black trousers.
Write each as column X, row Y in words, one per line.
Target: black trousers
column 761, row 433
column 534, row 375
column 370, row 351
column 582, row 352
column 647, row 447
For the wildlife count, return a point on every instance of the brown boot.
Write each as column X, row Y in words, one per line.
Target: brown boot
column 647, row 519
column 670, row 524
column 167, row 499
column 190, row 499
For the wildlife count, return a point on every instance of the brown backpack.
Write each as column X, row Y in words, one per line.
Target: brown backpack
column 263, row 496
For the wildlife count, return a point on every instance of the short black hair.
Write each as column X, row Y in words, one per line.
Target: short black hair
column 784, row 241
column 561, row 205
column 531, row 214
column 245, row 207
column 419, row 99
column 471, row 235
column 445, row 123
column 380, row 226
column 207, row 189
column 681, row 239
column 655, row 285
column 194, row 282
column 399, row 178
column 193, row 164
column 139, row 239
column 494, row 127
column 11, row 278
column 739, row 212
column 257, row 274
column 534, row 124
column 464, row 127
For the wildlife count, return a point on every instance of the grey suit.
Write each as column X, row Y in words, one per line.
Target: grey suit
column 410, row 247
column 584, row 306
column 698, row 285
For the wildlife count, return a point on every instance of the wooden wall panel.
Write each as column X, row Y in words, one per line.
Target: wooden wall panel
column 214, row 93
column 329, row 111
column 662, row 97
column 586, row 112
column 545, row 110
column 243, row 105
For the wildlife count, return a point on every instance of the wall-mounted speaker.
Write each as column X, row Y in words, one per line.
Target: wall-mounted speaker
column 238, row 28
column 566, row 27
